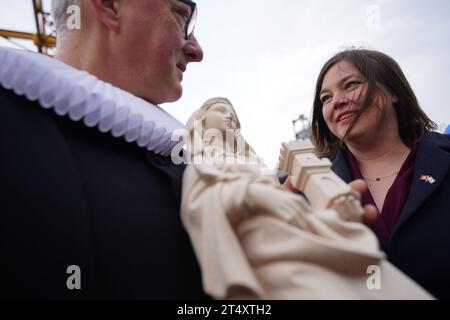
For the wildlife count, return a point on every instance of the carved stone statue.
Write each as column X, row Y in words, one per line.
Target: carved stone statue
column 322, row 187
column 255, row 240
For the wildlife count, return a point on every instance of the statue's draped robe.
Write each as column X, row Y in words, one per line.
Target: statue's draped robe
column 249, row 253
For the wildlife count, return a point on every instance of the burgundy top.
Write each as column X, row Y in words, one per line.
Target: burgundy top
column 395, row 197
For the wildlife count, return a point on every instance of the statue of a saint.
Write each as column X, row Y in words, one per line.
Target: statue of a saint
column 255, row 240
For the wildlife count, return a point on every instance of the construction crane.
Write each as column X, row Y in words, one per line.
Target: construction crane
column 41, row 39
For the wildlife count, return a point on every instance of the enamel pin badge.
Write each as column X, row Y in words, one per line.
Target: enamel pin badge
column 428, row 179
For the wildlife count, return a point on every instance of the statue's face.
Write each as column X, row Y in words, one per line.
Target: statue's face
column 220, row 116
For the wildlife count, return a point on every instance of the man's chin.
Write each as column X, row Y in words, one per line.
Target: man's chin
column 172, row 96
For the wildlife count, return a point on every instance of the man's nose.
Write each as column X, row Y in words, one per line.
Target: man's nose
column 193, row 50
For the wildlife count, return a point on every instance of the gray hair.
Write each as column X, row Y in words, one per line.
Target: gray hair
column 59, row 9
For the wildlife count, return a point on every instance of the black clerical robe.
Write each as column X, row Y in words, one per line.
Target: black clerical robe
column 73, row 196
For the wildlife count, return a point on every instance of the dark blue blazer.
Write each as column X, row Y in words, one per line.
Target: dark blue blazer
column 70, row 195
column 420, row 242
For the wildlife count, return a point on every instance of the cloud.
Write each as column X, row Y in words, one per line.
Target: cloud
column 265, row 55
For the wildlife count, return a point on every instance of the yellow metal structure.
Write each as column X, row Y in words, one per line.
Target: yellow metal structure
column 41, row 39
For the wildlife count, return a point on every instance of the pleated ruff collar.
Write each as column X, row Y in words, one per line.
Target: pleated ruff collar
column 82, row 97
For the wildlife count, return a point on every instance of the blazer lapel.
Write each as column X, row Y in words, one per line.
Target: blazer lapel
column 340, row 167
column 431, row 161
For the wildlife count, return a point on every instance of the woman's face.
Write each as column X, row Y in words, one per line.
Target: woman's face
column 220, row 116
column 343, row 92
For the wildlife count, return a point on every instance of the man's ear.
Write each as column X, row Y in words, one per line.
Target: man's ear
column 107, row 11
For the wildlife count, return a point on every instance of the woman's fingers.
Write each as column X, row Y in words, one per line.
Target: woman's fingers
column 289, row 186
column 370, row 211
column 359, row 186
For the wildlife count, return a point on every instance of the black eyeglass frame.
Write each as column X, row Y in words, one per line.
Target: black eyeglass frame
column 190, row 25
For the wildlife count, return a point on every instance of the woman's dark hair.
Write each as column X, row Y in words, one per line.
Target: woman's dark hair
column 379, row 70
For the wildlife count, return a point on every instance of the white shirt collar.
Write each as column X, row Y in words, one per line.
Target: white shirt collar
column 82, row 97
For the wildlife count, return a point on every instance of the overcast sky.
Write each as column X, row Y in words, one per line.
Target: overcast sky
column 265, row 55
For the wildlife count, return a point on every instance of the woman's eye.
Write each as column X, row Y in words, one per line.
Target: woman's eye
column 324, row 99
column 351, row 84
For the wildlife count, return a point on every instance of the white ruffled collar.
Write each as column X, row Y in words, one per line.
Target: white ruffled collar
column 81, row 96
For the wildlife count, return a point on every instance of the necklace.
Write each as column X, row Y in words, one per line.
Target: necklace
column 381, row 178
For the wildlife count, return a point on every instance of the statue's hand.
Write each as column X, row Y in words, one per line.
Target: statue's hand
column 267, row 199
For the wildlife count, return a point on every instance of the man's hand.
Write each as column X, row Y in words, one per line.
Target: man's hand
column 370, row 211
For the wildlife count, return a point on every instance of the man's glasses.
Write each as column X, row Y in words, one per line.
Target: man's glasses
column 190, row 24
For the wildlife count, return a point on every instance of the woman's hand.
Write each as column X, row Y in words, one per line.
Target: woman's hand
column 370, row 211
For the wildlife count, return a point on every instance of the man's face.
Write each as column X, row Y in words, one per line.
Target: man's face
column 154, row 50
